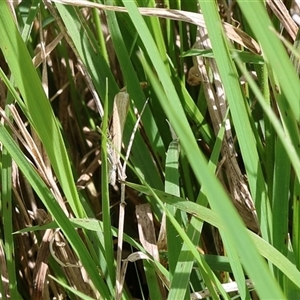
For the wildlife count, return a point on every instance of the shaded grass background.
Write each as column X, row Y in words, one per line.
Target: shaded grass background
column 150, row 49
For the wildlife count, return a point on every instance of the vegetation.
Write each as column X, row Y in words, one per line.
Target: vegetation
column 202, row 156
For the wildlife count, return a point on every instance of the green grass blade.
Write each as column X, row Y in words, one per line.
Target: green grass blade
column 108, row 241
column 172, row 187
column 280, row 201
column 238, row 111
column 272, row 49
column 224, row 208
column 211, row 217
column 173, row 109
column 54, row 209
column 74, row 291
column 38, row 106
column 183, row 270
column 7, row 218
column 89, row 52
column 296, row 220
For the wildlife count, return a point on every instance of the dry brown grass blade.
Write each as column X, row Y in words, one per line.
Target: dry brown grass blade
column 41, row 55
column 86, row 181
column 232, row 32
column 146, row 229
column 281, row 12
column 217, row 107
column 162, row 236
column 122, row 177
column 54, row 243
column 75, row 273
column 39, row 159
column 41, row 267
column 147, row 234
column 87, row 172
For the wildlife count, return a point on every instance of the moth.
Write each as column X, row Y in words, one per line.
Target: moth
column 120, row 110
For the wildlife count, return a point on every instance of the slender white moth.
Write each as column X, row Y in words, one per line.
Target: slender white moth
column 120, row 110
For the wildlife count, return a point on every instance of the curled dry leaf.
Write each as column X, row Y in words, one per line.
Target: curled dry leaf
column 137, row 256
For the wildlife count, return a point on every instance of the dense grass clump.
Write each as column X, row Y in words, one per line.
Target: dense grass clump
column 193, row 105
